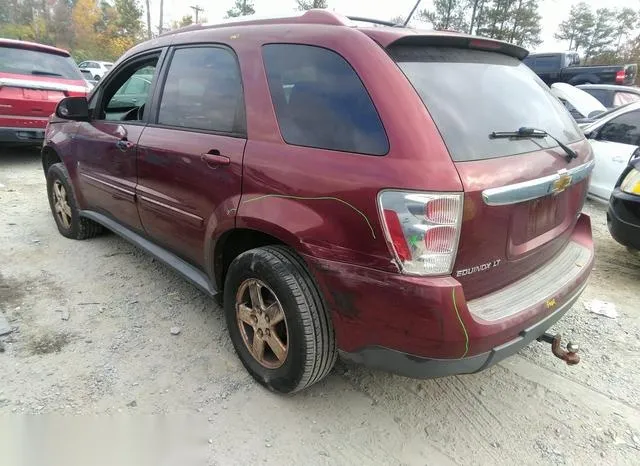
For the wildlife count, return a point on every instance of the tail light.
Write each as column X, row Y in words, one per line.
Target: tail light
column 620, row 75
column 422, row 229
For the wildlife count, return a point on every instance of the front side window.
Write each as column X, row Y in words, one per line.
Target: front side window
column 320, row 101
column 203, row 90
column 135, row 91
column 117, row 102
column 624, row 129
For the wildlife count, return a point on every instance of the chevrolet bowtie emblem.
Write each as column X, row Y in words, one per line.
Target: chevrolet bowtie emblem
column 562, row 183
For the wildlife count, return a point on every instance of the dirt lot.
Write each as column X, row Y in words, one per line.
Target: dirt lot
column 92, row 335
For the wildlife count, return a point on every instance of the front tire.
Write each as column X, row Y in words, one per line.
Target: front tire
column 277, row 319
column 65, row 208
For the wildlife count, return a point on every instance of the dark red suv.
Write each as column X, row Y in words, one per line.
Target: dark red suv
column 409, row 199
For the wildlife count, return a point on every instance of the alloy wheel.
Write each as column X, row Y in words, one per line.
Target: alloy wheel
column 61, row 204
column 262, row 323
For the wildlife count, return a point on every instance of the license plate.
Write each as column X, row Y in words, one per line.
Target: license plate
column 543, row 215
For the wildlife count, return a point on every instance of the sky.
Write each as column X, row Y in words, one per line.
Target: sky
column 552, row 11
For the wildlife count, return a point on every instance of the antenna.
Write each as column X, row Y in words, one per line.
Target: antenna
column 406, row 21
column 197, row 9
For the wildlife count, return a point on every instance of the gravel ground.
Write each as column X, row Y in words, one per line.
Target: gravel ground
column 92, row 334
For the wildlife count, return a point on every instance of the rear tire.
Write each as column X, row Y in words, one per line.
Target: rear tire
column 65, row 208
column 310, row 351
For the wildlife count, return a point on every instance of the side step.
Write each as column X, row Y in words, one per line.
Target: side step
column 188, row 271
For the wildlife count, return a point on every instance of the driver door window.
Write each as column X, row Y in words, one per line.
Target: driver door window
column 126, row 95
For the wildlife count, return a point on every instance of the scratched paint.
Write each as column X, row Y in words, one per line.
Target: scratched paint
column 321, row 198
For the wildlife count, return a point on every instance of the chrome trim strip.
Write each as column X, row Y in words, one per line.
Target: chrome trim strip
column 104, row 185
column 162, row 208
column 534, row 189
column 42, row 85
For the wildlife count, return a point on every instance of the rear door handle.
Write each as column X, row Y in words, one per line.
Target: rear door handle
column 214, row 159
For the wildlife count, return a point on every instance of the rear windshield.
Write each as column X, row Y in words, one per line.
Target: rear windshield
column 35, row 63
column 471, row 93
column 543, row 63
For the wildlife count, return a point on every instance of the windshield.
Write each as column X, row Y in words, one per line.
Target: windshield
column 108, row 66
column 471, row 93
column 36, row 63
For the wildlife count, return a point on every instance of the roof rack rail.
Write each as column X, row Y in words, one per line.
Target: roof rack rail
column 374, row 21
column 313, row 16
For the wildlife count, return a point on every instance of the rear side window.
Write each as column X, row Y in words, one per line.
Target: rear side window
column 320, row 101
column 203, row 90
column 36, row 63
column 472, row 93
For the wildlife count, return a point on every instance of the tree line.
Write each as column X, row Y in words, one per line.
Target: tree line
column 105, row 29
column 515, row 21
column 603, row 36
column 99, row 29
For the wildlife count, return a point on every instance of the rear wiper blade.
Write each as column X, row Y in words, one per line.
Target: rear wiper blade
column 535, row 133
column 44, row 73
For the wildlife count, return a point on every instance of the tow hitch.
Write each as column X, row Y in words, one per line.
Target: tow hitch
column 570, row 355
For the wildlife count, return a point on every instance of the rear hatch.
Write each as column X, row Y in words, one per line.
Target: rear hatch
column 31, row 84
column 522, row 197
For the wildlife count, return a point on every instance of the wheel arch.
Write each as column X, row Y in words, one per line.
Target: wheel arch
column 49, row 157
column 235, row 241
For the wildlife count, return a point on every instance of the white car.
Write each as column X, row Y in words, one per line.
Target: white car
column 97, row 68
column 582, row 106
column 614, row 137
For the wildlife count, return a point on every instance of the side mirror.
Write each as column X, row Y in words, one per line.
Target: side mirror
column 73, row 108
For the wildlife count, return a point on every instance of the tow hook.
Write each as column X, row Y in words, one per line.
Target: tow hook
column 570, row 355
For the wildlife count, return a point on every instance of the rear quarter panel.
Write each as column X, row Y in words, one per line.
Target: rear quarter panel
column 324, row 203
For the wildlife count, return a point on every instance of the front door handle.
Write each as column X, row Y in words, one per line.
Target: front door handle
column 214, row 159
column 124, row 145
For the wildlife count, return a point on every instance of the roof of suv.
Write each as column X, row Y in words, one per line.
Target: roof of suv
column 384, row 36
column 33, row 46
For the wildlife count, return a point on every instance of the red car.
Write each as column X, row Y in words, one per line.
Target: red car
column 33, row 79
column 409, row 199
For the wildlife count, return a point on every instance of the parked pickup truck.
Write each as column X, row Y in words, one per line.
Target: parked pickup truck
column 565, row 68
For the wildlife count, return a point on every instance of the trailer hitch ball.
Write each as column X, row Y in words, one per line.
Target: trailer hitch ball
column 570, row 355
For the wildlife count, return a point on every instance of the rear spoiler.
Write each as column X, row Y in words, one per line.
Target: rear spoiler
column 41, row 85
column 463, row 42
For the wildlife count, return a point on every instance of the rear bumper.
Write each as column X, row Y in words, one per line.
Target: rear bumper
column 22, row 135
column 623, row 219
column 418, row 367
column 423, row 327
